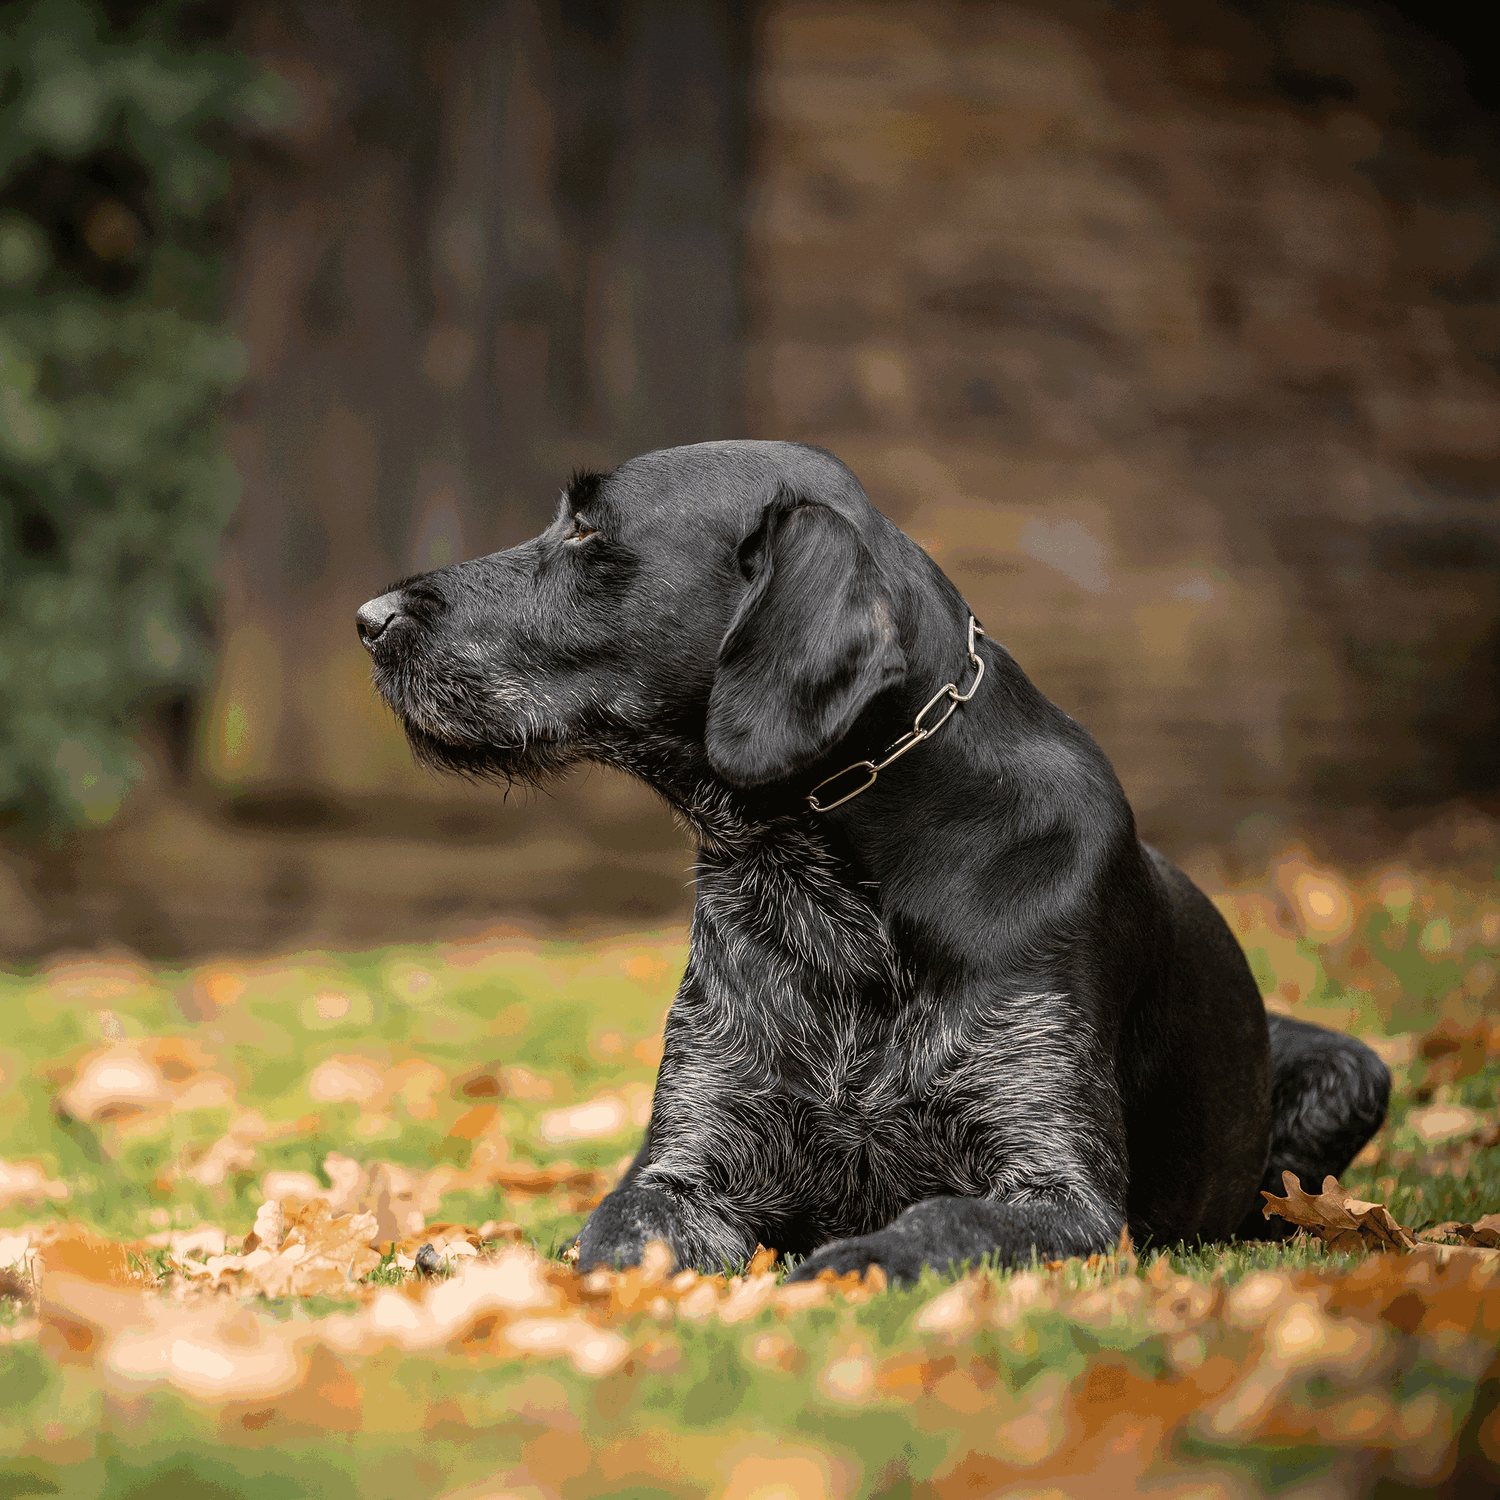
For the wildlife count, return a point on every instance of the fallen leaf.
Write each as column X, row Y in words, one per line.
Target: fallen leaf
column 23, row 1182
column 270, row 1227
column 212, row 990
column 318, row 1254
column 505, row 1229
column 212, row 1353
column 17, row 1254
column 325, row 1233
column 849, row 1375
column 285, row 1184
column 234, row 1151
column 206, row 1239
column 445, row 1239
column 953, row 1312
column 345, row 1080
column 227, row 1154
column 350, row 1183
column 400, row 1199
column 1440, row 1124
column 115, row 1082
column 478, row 1083
column 1483, row 1233
column 473, row 1123
column 1453, row 1052
column 1340, row 1220
column 143, row 1079
column 97, row 979
column 1393, row 1051
column 747, row 1298
column 780, row 1469
column 521, row 1083
column 416, row 1084
column 763, row 1260
column 78, row 1251
column 603, row 1116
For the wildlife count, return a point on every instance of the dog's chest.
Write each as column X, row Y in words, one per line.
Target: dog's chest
column 855, row 1138
column 797, row 1014
column 862, row 1157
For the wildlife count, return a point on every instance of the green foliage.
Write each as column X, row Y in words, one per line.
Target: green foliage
column 114, row 484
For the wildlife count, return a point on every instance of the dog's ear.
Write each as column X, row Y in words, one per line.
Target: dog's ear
column 812, row 642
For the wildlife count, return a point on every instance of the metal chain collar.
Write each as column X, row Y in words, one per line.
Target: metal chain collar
column 913, row 737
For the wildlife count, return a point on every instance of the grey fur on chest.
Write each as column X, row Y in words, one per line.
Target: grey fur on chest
column 841, row 1164
column 810, row 1082
column 854, row 1112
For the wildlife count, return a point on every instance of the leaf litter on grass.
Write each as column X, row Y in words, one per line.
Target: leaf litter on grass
column 297, row 1220
column 1122, row 1370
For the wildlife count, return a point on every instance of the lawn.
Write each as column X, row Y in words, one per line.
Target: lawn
column 216, row 1185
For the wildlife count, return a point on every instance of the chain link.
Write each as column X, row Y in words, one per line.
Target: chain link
column 913, row 737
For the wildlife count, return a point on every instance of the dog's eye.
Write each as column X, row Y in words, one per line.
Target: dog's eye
column 581, row 531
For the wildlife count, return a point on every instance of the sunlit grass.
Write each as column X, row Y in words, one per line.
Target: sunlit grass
column 534, row 1062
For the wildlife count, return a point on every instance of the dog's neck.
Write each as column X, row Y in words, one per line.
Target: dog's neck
column 958, row 738
column 877, row 859
column 933, row 716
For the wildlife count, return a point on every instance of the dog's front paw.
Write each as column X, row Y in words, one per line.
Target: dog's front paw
column 859, row 1254
column 619, row 1230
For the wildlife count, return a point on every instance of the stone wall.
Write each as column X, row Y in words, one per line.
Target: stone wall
column 1172, row 337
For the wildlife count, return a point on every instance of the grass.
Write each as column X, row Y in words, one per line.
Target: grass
column 537, row 1060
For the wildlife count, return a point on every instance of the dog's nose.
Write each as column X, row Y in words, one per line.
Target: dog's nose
column 371, row 619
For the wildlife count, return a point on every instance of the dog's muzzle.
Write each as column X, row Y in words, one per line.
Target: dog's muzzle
column 372, row 620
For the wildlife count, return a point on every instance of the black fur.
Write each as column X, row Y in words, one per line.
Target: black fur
column 967, row 1012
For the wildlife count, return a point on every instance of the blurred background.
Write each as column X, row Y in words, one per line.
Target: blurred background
column 1172, row 330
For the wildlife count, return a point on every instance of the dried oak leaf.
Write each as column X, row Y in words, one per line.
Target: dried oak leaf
column 302, row 1251
column 1482, row 1233
column 270, row 1227
column 346, row 1239
column 1340, row 1220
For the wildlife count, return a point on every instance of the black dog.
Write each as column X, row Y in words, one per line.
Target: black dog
column 951, row 1009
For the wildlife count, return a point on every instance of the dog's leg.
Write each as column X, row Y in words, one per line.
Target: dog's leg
column 944, row 1234
column 1328, row 1097
column 699, row 1233
column 1025, row 1083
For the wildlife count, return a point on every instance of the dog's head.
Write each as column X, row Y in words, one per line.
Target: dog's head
column 737, row 604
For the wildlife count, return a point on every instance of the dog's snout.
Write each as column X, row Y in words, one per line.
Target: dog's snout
column 372, row 619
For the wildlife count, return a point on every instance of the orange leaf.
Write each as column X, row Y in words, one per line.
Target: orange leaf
column 78, row 1251
column 1340, row 1220
column 472, row 1122
column 763, row 1260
